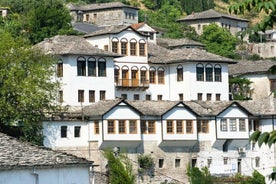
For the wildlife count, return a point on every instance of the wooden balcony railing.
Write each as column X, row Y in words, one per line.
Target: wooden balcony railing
column 132, row 83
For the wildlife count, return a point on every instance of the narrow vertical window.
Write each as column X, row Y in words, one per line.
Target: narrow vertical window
column 134, row 76
column 81, row 66
column 199, row 96
column 223, row 125
column 133, row 46
column 209, row 96
column 91, row 96
column 80, row 95
column 257, row 161
column 161, row 162
column 124, row 47
column 63, row 131
column 170, row 127
column 115, row 44
column 180, row 96
column 151, row 127
column 116, row 74
column 177, row 162
column 143, row 127
column 159, row 97
column 209, row 72
column 102, row 95
column 189, row 126
column 122, row 127
column 91, row 66
column 179, row 126
column 199, row 72
column 218, row 97
column 96, row 127
column 232, row 125
column 77, row 130
column 111, row 126
column 161, row 75
column 217, row 73
column 225, row 160
column 60, row 96
column 132, row 126
column 101, row 67
column 60, row 68
column 242, row 125
column 203, row 126
column 142, row 49
column 179, row 73
column 152, row 74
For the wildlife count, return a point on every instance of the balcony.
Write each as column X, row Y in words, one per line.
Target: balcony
column 132, row 84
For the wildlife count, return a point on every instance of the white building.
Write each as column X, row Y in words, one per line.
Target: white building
column 23, row 163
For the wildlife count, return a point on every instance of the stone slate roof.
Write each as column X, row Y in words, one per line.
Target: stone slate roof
column 251, row 67
column 161, row 55
column 100, row 6
column 64, row 45
column 210, row 14
column 15, row 154
column 85, row 27
column 112, row 30
column 172, row 43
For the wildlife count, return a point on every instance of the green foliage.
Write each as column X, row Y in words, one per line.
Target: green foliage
column 240, row 88
column 219, row 41
column 199, row 176
column 26, row 88
column 146, row 165
column 254, row 57
column 120, row 169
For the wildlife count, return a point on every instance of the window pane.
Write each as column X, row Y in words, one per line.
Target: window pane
column 232, row 125
column 80, row 95
column 223, row 125
column 217, row 73
column 122, row 127
column 77, row 131
column 63, row 131
column 102, row 68
column 132, row 127
column 81, row 67
column 96, row 127
column 142, row 49
column 152, row 77
column 189, row 126
column 179, row 74
column 111, row 126
column 179, row 126
column 91, row 68
column 199, row 73
column 169, row 126
column 242, row 125
column 161, row 75
column 209, row 73
column 151, row 127
column 133, row 48
column 124, row 48
column 115, row 47
column 91, row 96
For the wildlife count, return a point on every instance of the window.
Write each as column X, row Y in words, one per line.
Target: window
column 115, row 46
column 225, row 160
column 106, row 47
column 101, row 67
column 96, row 127
column 161, row 75
column 179, row 73
column 63, row 131
column 77, row 131
column 199, row 72
column 134, row 76
column 148, row 97
column 272, row 85
column 60, row 68
column 136, row 97
column 209, row 96
column 60, row 96
column 80, row 95
column 199, row 96
column 151, row 127
column 152, row 75
column 209, row 162
column 143, row 75
column 151, row 36
column 122, row 127
column 116, row 74
column 232, row 125
column 111, row 126
column 142, row 48
column 91, row 66
column 217, row 97
column 132, row 127
column 161, row 162
column 223, row 125
column 124, row 47
column 91, row 96
column 209, row 72
column 189, row 126
column 170, row 127
column 133, row 44
column 102, row 95
column 159, row 97
column 217, row 73
column 179, row 126
column 81, row 66
column 194, row 160
column 180, row 96
column 257, row 162
column 177, row 162
column 203, row 126
column 143, row 127
column 124, row 96
column 242, row 125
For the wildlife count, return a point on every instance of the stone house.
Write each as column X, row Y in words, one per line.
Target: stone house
column 23, row 163
column 199, row 20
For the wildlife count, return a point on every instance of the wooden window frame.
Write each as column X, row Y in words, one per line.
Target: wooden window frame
column 143, row 127
column 91, row 96
column 242, row 125
column 101, row 67
column 203, row 126
column 91, row 62
column 209, row 73
column 102, row 95
column 151, row 127
column 81, row 96
column 96, row 127
column 81, row 66
column 200, row 72
column 170, row 127
column 142, row 49
column 111, row 128
column 60, row 96
column 232, row 125
column 60, row 69
column 122, row 126
column 161, row 75
column 223, row 125
column 179, row 72
column 133, row 48
column 189, row 127
column 124, row 48
column 132, row 126
column 152, row 75
column 115, row 46
column 179, row 126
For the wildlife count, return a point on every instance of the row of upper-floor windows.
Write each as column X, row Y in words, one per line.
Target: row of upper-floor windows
column 212, row 72
column 129, row 47
column 81, row 96
column 86, row 67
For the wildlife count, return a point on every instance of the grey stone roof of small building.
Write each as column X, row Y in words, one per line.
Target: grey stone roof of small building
column 100, row 6
column 251, row 67
column 64, row 45
column 210, row 14
column 15, row 154
column 172, row 43
column 85, row 27
column 161, row 55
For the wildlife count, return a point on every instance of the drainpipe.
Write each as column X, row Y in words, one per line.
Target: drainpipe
column 35, row 174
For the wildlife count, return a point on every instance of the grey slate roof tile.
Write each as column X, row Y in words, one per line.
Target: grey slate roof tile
column 100, row 6
column 15, row 154
column 172, row 43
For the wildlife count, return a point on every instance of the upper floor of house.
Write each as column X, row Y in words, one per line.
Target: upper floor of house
column 199, row 20
column 105, row 14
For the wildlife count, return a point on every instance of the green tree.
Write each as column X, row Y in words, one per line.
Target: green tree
column 240, row 88
column 120, row 168
column 199, row 176
column 219, row 41
column 26, row 87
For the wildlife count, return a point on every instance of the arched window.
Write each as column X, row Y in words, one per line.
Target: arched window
column 209, row 72
column 134, row 76
column 60, row 68
column 161, row 75
column 125, row 76
column 81, row 66
column 142, row 48
column 101, row 67
column 124, row 46
column 199, row 72
column 179, row 71
column 217, row 73
column 91, row 66
column 115, row 43
column 143, row 75
column 133, row 47
column 152, row 74
column 116, row 74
